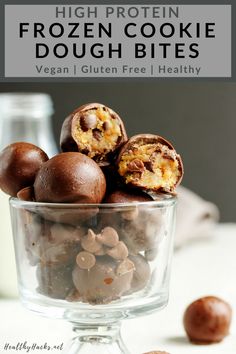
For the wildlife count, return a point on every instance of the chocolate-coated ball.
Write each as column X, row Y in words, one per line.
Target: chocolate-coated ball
column 94, row 130
column 207, row 320
column 70, row 178
column 55, row 282
column 53, row 244
column 142, row 273
column 127, row 196
column 26, row 194
column 157, row 352
column 150, row 162
column 104, row 282
column 19, row 164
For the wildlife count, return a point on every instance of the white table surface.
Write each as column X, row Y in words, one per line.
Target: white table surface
column 206, row 267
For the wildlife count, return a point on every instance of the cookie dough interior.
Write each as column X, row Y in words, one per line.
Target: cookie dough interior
column 151, row 166
column 97, row 131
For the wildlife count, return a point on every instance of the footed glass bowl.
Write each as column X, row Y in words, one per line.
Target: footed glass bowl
column 94, row 265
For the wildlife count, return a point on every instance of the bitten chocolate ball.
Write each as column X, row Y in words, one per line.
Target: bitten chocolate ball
column 94, row 130
column 207, row 320
column 19, row 164
column 70, row 178
column 150, row 162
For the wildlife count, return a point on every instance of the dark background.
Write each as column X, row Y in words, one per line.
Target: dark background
column 198, row 118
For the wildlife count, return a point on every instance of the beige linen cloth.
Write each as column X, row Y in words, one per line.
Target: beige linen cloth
column 196, row 218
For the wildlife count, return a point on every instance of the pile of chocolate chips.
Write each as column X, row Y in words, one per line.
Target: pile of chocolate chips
column 88, row 255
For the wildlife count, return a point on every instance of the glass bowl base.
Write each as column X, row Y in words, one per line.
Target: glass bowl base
column 97, row 328
column 93, row 314
column 98, row 339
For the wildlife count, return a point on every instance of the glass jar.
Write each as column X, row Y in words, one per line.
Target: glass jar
column 23, row 117
column 27, row 117
column 94, row 265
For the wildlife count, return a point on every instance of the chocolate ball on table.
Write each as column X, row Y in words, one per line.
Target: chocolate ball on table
column 157, row 352
column 94, row 130
column 207, row 320
column 19, row 164
column 150, row 162
column 70, row 178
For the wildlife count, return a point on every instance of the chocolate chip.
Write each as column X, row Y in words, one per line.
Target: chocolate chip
column 118, row 140
column 168, row 157
column 100, row 252
column 136, row 166
column 97, row 134
column 107, row 125
column 88, row 121
column 85, row 260
column 85, row 151
column 120, row 251
column 108, row 237
column 149, row 166
column 89, row 242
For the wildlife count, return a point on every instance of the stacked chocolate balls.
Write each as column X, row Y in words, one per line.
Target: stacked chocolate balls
column 85, row 254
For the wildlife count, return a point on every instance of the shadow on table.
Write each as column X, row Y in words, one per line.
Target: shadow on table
column 177, row 340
